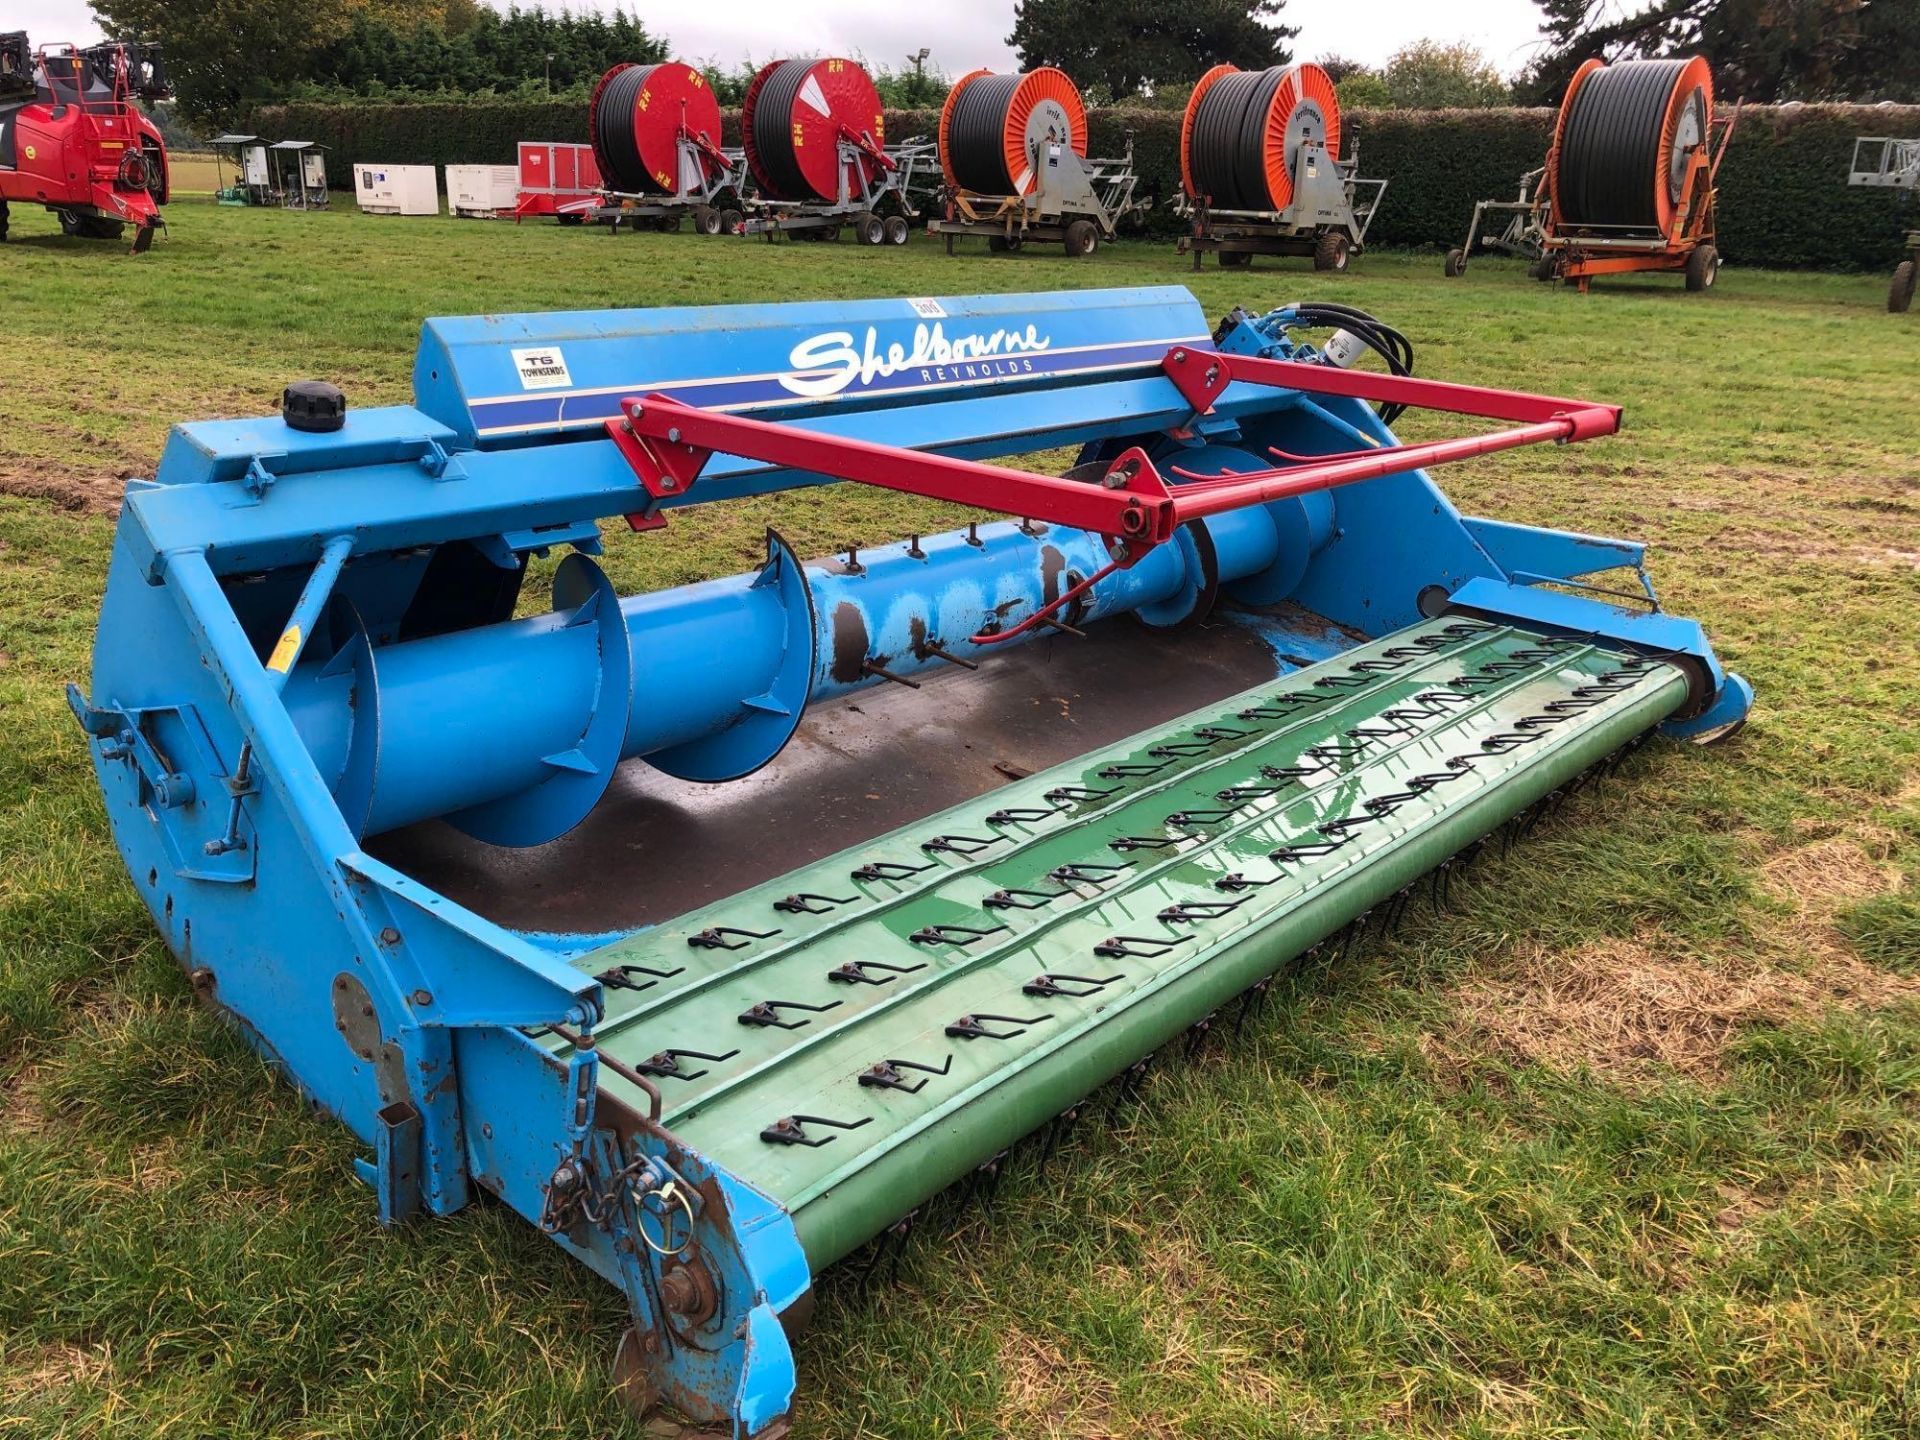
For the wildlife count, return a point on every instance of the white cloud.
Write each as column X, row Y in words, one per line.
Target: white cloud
column 965, row 34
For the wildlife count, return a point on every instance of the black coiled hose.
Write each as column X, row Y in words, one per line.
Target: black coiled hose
column 1227, row 151
column 1378, row 336
column 976, row 136
column 773, row 132
column 1609, row 165
column 611, row 129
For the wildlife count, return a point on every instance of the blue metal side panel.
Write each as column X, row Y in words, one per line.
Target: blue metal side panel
column 1392, row 537
column 223, row 449
column 396, row 505
column 1562, row 554
column 514, row 377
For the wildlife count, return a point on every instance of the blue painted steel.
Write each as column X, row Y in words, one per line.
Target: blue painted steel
column 576, row 769
column 721, row 671
column 412, row 692
column 1726, row 698
column 493, row 378
column 763, row 719
column 208, row 451
column 1560, row 553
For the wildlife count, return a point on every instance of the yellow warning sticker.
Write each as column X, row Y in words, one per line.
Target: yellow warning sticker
column 283, row 653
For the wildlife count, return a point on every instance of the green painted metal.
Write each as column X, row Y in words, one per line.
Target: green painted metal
column 955, row 916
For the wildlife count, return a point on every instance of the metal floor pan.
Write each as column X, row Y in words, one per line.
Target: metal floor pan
column 657, row 847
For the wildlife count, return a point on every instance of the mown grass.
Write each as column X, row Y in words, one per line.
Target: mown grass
column 1625, row 1144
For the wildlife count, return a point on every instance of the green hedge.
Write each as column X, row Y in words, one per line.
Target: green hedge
column 1784, row 199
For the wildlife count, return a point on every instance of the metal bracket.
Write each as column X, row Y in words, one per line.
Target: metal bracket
column 435, row 460
column 259, row 479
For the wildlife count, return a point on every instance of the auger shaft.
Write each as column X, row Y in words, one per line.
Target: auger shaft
column 470, row 717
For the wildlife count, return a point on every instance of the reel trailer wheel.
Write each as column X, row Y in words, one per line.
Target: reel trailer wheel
column 1456, row 263
column 1332, row 251
column 1703, row 267
column 1900, row 295
column 898, row 230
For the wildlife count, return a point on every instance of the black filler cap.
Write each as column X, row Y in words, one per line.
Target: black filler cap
column 313, row 406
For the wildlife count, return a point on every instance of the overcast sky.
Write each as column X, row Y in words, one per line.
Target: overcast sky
column 964, row 34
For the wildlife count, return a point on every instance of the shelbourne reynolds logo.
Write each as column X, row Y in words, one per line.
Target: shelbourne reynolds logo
column 831, row 362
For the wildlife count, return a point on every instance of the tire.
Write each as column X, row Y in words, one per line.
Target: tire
column 1542, row 270
column 571, row 219
column 731, row 220
column 1456, row 263
column 830, row 235
column 668, row 224
column 1235, row 259
column 91, row 227
column 996, row 244
column 1702, row 266
column 1082, row 239
column 1899, row 296
column 1332, row 251
column 898, row 230
column 706, row 220
column 869, row 228
column 5, row 215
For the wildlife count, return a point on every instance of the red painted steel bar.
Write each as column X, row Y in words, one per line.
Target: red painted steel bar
column 1201, row 376
column 1201, row 498
column 668, row 443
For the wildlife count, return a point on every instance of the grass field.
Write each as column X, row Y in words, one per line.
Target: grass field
column 1626, row 1144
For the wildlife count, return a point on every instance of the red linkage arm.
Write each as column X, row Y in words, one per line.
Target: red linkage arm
column 668, row 443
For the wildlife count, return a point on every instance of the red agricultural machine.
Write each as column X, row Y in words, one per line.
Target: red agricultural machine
column 1629, row 182
column 73, row 139
column 656, row 143
column 815, row 141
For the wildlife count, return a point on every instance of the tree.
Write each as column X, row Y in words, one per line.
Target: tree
column 1119, row 49
column 1762, row 50
column 1427, row 75
column 916, row 85
column 1363, row 90
column 225, row 54
column 219, row 52
column 1340, row 67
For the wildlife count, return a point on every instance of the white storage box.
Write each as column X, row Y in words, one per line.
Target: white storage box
column 397, row 189
column 482, row 191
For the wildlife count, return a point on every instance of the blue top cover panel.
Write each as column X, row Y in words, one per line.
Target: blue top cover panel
column 494, row 379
